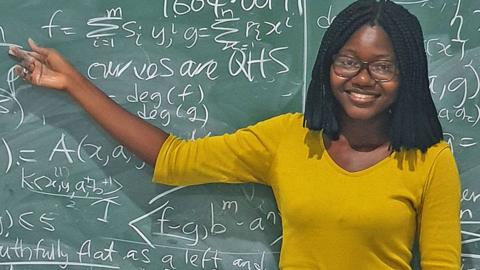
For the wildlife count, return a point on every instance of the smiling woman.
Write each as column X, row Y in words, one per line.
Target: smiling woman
column 364, row 82
column 362, row 174
column 366, row 93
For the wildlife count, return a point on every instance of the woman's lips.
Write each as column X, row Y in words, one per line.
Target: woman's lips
column 361, row 98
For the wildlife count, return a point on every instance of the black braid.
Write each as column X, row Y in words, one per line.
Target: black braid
column 414, row 108
column 415, row 123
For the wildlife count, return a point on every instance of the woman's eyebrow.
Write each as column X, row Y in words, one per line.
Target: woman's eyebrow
column 387, row 56
column 349, row 52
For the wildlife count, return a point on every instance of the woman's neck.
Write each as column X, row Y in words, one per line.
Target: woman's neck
column 365, row 135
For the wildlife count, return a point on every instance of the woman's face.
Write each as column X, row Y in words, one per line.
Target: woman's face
column 361, row 96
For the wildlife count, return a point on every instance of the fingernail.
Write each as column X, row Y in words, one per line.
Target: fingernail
column 11, row 51
column 31, row 41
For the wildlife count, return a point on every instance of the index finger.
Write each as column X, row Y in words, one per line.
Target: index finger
column 23, row 54
column 40, row 50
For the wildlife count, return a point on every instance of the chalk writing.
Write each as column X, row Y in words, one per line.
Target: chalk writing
column 73, row 198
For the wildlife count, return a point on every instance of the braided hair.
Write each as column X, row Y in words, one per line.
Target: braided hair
column 414, row 120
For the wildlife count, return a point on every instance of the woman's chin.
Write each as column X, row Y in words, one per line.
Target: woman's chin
column 366, row 115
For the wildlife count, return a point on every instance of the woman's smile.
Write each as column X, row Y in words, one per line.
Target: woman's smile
column 361, row 98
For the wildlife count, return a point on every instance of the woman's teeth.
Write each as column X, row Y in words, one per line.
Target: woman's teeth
column 362, row 96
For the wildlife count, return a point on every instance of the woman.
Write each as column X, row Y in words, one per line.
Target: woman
column 357, row 178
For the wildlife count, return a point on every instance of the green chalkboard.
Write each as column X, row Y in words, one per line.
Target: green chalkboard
column 72, row 197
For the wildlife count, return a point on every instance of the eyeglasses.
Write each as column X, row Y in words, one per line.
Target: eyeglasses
column 349, row 67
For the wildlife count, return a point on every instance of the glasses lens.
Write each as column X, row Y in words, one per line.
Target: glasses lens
column 382, row 70
column 345, row 66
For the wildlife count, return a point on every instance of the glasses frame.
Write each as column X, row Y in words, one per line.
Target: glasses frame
column 364, row 65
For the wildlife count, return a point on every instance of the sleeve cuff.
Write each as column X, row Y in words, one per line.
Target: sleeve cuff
column 160, row 173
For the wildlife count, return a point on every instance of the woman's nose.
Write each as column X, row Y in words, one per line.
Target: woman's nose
column 363, row 78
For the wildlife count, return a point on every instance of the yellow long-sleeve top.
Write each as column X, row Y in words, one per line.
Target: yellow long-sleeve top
column 333, row 218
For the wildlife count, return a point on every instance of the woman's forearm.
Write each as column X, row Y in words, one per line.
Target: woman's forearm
column 139, row 136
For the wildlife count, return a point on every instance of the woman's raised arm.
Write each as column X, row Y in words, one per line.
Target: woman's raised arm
column 47, row 68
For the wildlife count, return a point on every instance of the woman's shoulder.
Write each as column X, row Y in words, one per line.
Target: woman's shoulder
column 290, row 119
column 441, row 153
column 431, row 152
column 414, row 159
column 442, row 147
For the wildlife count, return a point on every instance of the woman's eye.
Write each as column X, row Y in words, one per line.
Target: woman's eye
column 348, row 62
column 383, row 67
